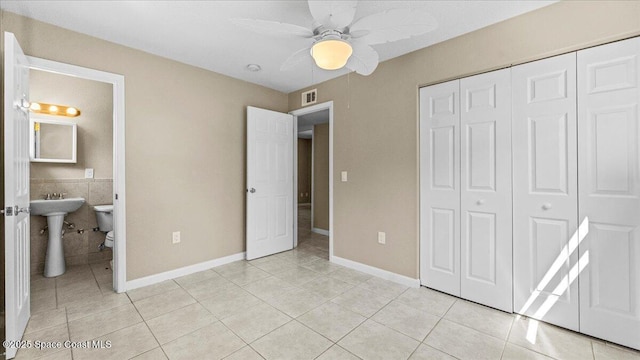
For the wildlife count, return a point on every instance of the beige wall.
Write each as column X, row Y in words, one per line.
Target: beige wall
column 95, row 123
column 376, row 119
column 304, row 171
column 321, row 176
column 185, row 146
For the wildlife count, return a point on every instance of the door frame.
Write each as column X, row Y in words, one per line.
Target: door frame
column 119, row 199
column 296, row 113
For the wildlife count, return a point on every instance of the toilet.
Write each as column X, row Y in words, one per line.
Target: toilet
column 104, row 217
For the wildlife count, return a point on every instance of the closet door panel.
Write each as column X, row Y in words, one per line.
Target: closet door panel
column 545, row 198
column 609, row 183
column 440, row 187
column 485, row 231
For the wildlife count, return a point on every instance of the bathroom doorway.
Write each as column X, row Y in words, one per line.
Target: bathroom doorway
column 98, row 173
column 313, row 177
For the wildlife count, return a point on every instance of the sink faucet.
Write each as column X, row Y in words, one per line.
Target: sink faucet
column 47, row 196
column 61, row 196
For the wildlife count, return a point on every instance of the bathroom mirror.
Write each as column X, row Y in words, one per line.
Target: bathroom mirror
column 53, row 141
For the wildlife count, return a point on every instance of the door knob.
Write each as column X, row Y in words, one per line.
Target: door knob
column 252, row 190
column 480, row 202
column 546, row 206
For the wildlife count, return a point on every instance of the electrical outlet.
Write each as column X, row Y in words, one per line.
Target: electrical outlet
column 88, row 173
column 176, row 237
column 382, row 237
column 343, row 176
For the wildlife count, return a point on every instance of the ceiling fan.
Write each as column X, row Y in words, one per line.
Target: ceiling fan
column 336, row 40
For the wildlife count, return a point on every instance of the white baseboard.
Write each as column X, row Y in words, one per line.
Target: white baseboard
column 187, row 270
column 384, row 274
column 320, row 231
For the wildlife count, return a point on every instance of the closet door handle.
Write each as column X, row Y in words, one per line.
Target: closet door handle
column 547, row 206
column 480, row 202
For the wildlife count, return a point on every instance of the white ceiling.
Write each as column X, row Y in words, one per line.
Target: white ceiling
column 199, row 33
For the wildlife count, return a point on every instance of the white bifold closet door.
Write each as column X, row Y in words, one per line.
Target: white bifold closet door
column 485, row 207
column 545, row 197
column 440, row 187
column 609, row 183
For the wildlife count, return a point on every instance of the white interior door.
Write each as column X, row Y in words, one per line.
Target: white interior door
column 485, row 207
column 440, row 187
column 270, row 193
column 545, row 199
column 609, row 183
column 16, row 190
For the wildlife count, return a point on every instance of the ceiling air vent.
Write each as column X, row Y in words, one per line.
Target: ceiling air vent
column 309, row 97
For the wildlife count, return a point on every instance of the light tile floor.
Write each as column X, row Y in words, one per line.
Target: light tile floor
column 292, row 305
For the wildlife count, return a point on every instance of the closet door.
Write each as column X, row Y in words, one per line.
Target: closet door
column 545, row 199
column 485, row 232
column 440, row 187
column 609, row 183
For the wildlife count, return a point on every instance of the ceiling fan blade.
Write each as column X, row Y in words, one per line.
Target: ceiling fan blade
column 393, row 25
column 364, row 59
column 333, row 14
column 296, row 58
column 274, row 28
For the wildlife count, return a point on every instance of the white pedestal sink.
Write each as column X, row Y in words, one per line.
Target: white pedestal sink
column 55, row 211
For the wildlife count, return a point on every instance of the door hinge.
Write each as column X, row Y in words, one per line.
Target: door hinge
column 116, row 196
column 8, row 211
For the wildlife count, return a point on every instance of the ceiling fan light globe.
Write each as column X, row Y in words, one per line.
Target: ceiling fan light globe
column 331, row 54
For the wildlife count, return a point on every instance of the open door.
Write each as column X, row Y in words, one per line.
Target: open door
column 16, row 190
column 269, row 182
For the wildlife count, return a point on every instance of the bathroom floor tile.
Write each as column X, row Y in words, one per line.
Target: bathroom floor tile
column 43, row 300
column 292, row 341
column 57, row 333
column 46, row 319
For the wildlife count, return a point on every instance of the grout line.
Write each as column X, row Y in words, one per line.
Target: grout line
column 504, row 348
